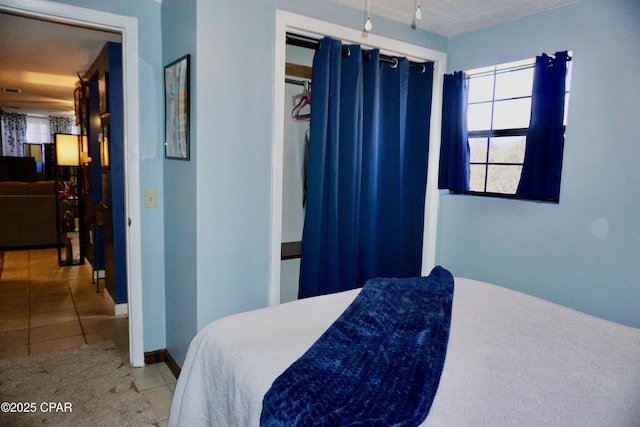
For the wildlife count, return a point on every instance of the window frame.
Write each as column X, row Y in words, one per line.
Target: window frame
column 490, row 133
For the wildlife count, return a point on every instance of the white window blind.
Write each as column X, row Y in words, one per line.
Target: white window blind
column 38, row 130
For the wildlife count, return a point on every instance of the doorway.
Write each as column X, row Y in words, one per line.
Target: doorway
column 128, row 28
column 305, row 26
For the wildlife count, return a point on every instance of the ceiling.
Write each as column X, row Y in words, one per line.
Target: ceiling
column 450, row 18
column 42, row 59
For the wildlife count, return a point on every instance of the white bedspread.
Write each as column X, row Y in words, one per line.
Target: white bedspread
column 512, row 360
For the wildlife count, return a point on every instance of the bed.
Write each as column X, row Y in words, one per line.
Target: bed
column 511, row 360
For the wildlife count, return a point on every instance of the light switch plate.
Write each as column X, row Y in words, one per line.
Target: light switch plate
column 150, row 200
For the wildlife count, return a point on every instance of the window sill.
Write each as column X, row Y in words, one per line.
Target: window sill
column 504, row 196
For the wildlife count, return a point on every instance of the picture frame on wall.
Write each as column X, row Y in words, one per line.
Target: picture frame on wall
column 103, row 93
column 78, row 95
column 176, row 109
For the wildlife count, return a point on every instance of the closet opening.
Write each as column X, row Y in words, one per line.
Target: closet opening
column 298, row 89
column 296, row 34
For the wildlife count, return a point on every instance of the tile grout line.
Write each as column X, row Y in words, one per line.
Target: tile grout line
column 75, row 308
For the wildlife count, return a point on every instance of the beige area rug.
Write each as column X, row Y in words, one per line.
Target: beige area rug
column 88, row 386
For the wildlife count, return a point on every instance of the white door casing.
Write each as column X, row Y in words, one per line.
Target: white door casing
column 128, row 28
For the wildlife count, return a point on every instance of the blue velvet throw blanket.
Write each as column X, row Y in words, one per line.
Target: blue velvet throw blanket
column 378, row 364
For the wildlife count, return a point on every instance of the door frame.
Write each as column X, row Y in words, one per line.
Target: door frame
column 299, row 24
column 128, row 28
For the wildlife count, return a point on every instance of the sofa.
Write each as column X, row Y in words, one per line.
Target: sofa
column 27, row 214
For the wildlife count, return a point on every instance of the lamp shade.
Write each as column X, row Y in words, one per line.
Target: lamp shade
column 67, row 150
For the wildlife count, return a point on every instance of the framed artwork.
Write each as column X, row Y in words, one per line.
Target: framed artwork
column 106, row 191
column 176, row 109
column 103, row 93
column 103, row 140
column 78, row 95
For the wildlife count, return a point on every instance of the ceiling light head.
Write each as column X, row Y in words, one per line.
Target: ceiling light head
column 11, row 90
column 367, row 24
column 417, row 13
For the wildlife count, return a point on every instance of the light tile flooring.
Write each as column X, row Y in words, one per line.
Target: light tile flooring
column 44, row 308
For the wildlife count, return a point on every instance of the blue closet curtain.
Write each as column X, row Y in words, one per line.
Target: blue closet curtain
column 367, row 169
column 540, row 178
column 453, row 173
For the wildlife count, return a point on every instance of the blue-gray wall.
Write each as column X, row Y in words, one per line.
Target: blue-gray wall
column 585, row 251
column 179, row 39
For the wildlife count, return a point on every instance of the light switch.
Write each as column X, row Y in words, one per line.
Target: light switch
column 150, row 200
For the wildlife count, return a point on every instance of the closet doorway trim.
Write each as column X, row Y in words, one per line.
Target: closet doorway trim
column 128, row 28
column 303, row 25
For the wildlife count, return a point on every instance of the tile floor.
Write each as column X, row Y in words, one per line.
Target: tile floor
column 44, row 307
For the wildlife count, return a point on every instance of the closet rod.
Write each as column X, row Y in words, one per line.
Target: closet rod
column 311, row 43
column 295, row 82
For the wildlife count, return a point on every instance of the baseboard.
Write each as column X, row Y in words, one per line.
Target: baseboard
column 117, row 309
column 159, row 356
column 95, row 274
column 121, row 309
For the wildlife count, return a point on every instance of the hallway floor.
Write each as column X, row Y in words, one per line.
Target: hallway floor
column 44, row 308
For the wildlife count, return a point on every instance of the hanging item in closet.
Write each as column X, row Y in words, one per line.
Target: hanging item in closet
column 301, row 101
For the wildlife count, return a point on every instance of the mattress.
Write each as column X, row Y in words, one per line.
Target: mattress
column 512, row 359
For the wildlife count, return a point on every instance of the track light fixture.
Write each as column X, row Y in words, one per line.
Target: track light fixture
column 417, row 14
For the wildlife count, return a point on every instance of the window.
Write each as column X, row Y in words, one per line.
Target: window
column 38, row 130
column 499, row 109
column 37, row 135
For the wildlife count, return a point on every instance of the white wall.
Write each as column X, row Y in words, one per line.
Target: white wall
column 584, row 252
